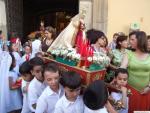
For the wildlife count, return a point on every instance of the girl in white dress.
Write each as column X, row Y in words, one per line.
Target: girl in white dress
column 14, row 49
column 15, row 93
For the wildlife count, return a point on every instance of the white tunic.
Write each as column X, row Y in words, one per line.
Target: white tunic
column 102, row 110
column 118, row 96
column 34, row 92
column 23, row 58
column 18, row 59
column 5, row 62
column 36, row 46
column 25, row 108
column 65, row 106
column 15, row 95
column 46, row 102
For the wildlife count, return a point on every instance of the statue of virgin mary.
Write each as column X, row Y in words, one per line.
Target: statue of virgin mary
column 66, row 38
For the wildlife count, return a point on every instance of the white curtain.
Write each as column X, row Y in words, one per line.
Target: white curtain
column 5, row 62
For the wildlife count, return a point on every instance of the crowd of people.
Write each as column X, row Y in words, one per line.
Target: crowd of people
column 29, row 85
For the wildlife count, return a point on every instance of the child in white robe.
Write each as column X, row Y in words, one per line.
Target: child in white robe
column 71, row 101
column 15, row 104
column 27, row 77
column 36, row 45
column 53, row 92
column 5, row 63
column 37, row 85
column 13, row 48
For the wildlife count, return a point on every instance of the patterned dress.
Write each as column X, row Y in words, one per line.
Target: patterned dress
column 117, row 57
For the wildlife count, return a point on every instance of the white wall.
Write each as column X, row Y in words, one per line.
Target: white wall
column 121, row 13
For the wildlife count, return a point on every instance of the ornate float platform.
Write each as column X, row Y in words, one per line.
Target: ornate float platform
column 87, row 76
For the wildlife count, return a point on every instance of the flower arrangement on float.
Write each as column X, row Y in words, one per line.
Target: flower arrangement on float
column 70, row 57
column 99, row 58
column 98, row 61
column 67, row 56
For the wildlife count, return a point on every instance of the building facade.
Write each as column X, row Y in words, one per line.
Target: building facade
column 109, row 16
column 11, row 15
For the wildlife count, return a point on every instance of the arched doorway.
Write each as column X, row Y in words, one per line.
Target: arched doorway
column 56, row 13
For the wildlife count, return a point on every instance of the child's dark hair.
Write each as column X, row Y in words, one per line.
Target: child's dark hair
column 141, row 40
column 96, row 95
column 38, row 53
column 13, row 62
column 148, row 36
column 10, row 47
column 71, row 79
column 25, row 68
column 0, row 32
column 37, row 35
column 121, row 70
column 52, row 67
column 93, row 35
column 120, row 38
column 26, row 45
column 36, row 61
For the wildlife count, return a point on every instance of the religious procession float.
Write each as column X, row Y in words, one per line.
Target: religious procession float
column 71, row 50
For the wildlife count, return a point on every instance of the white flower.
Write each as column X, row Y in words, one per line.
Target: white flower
column 69, row 54
column 61, row 52
column 94, row 58
column 63, row 48
column 57, row 53
column 71, row 49
column 53, row 52
column 89, row 59
column 73, row 55
column 59, row 48
column 64, row 52
column 100, row 59
column 107, row 60
column 77, row 56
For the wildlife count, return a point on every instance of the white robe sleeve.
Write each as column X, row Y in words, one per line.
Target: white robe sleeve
column 5, row 63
